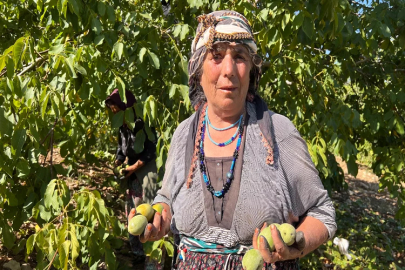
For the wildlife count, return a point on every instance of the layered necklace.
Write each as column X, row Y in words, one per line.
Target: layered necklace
column 201, row 155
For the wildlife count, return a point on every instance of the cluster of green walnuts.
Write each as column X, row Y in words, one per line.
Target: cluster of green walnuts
column 144, row 214
column 252, row 260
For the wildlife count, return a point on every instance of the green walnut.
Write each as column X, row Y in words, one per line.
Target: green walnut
column 266, row 233
column 287, row 232
column 146, row 210
column 158, row 208
column 252, row 260
column 275, row 224
column 123, row 170
column 137, row 225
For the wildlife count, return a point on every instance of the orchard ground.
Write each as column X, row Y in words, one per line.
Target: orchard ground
column 361, row 203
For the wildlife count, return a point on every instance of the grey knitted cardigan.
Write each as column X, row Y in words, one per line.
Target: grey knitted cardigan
column 283, row 192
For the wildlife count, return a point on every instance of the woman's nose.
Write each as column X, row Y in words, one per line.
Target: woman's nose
column 228, row 66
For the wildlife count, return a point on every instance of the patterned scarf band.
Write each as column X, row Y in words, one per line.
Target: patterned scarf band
column 218, row 26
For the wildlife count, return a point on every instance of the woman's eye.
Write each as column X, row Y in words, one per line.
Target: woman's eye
column 240, row 57
column 217, row 56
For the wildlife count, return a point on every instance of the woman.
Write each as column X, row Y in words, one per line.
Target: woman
column 233, row 166
column 138, row 162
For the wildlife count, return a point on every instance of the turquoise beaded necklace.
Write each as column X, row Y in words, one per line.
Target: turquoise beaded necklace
column 221, row 129
column 234, row 136
column 229, row 175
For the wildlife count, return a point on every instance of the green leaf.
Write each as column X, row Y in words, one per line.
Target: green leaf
column 130, row 118
column 154, row 59
column 110, row 13
column 75, row 246
column 177, row 30
column 23, row 168
column 121, row 89
column 57, row 49
column 30, row 243
column 117, row 120
column 139, row 141
column 44, row 105
column 264, row 13
column 277, row 48
column 64, row 254
column 146, row 16
column 172, row 90
column 75, row 6
column 401, row 41
column 184, row 31
column 141, row 54
column 399, row 127
column 10, row 67
column 153, row 108
column 156, row 255
column 62, row 6
column 110, row 258
column 169, row 248
column 80, row 69
column 352, row 167
column 8, row 237
column 118, row 48
column 6, row 126
column 44, row 213
column 96, row 26
column 18, row 141
column 18, row 50
column 98, row 40
column 384, row 30
column 308, row 27
column 69, row 66
column 101, row 8
column 49, row 194
column 285, row 20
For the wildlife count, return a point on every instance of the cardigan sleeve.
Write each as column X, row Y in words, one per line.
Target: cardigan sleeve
column 307, row 193
column 164, row 195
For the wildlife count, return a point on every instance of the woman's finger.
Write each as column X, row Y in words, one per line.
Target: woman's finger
column 283, row 251
column 131, row 214
column 255, row 236
column 267, row 255
column 279, row 244
column 145, row 237
column 165, row 225
column 157, row 220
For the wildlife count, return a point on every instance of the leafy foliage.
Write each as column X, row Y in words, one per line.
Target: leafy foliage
column 334, row 67
column 375, row 242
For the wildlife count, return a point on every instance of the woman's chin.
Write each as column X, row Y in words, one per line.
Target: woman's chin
column 229, row 105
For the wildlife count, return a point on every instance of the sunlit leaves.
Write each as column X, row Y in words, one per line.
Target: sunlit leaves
column 154, row 59
column 118, row 49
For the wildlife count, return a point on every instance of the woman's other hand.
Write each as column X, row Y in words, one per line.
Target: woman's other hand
column 133, row 168
column 282, row 251
column 160, row 226
column 117, row 163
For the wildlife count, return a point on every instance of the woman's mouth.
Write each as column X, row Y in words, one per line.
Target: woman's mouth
column 228, row 88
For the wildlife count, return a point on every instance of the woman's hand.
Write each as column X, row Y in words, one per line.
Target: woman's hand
column 117, row 163
column 282, row 251
column 160, row 226
column 132, row 168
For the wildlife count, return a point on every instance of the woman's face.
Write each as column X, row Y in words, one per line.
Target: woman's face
column 114, row 108
column 225, row 76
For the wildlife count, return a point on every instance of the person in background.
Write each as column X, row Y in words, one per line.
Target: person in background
column 140, row 176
